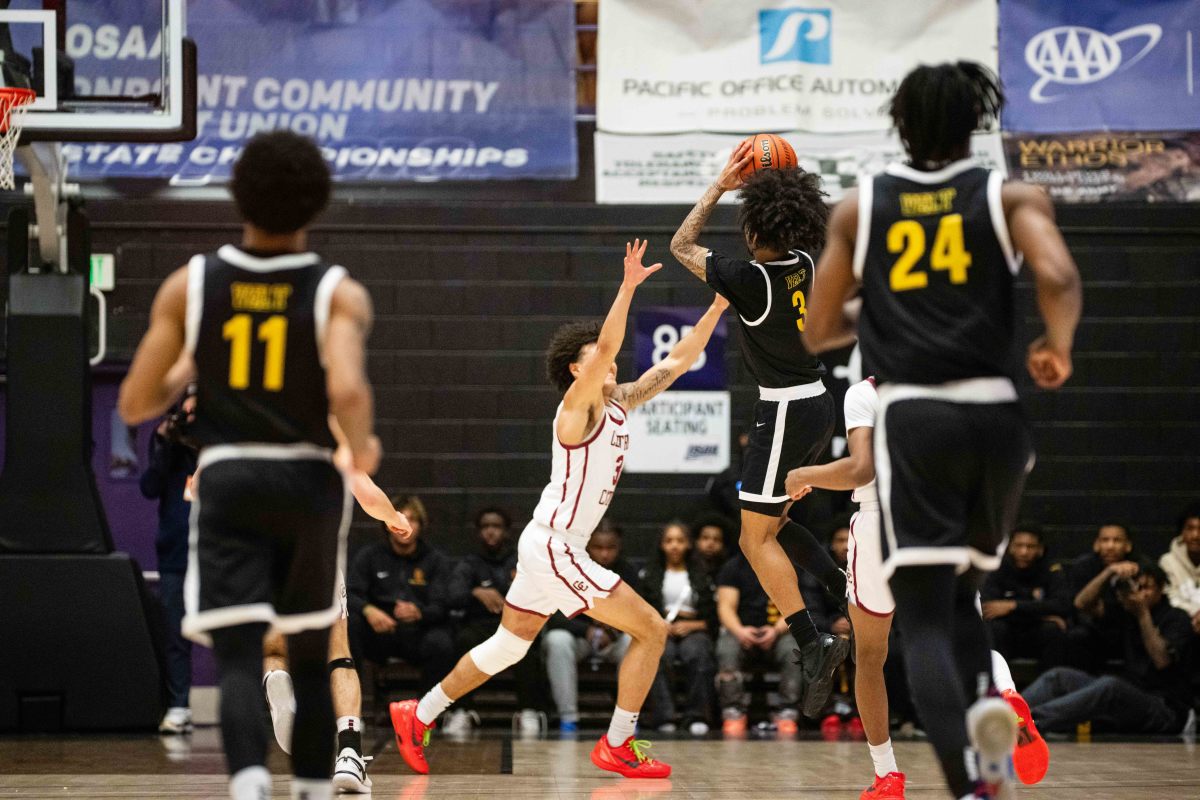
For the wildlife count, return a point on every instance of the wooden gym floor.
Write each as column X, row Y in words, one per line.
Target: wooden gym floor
column 192, row 768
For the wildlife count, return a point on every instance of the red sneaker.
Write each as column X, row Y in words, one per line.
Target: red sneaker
column 1032, row 757
column 831, row 728
column 889, row 787
column 856, row 730
column 412, row 735
column 629, row 759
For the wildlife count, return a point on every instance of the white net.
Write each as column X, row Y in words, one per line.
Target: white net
column 12, row 111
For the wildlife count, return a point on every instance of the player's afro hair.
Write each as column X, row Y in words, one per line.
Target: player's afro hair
column 783, row 209
column 937, row 107
column 565, row 345
column 280, row 182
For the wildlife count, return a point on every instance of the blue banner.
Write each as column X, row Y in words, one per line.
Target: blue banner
column 658, row 329
column 1100, row 65
column 391, row 89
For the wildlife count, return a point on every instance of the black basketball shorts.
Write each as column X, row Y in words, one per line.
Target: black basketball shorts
column 950, row 473
column 792, row 427
column 268, row 538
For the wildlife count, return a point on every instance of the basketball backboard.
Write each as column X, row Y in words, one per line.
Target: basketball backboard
column 104, row 70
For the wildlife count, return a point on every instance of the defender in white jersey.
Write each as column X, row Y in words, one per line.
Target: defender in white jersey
column 554, row 572
column 871, row 604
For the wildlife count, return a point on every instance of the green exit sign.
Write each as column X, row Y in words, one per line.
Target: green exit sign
column 104, row 271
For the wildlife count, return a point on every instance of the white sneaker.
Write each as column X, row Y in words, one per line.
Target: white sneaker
column 281, row 699
column 992, row 728
column 350, row 773
column 459, row 723
column 698, row 728
column 529, row 723
column 177, row 720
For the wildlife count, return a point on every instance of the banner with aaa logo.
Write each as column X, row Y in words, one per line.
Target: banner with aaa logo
column 1101, row 65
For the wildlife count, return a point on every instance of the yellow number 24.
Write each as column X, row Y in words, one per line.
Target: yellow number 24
column 949, row 253
column 273, row 331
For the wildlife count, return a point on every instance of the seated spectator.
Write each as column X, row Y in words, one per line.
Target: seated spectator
column 567, row 642
column 752, row 631
column 1182, row 565
column 1027, row 602
column 481, row 581
column 828, row 613
column 682, row 589
column 1151, row 696
column 1096, row 636
column 398, row 593
column 712, row 533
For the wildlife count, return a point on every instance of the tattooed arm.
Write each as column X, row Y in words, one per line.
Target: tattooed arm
column 659, row 377
column 683, row 244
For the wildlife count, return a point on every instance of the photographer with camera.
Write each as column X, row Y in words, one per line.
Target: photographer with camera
column 172, row 462
column 1151, row 695
column 1093, row 580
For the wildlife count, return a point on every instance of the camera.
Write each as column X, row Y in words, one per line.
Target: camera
column 1125, row 586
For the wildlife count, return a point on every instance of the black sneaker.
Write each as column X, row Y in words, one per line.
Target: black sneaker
column 818, row 660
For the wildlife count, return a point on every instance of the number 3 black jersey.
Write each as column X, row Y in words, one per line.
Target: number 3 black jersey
column 254, row 325
column 936, row 265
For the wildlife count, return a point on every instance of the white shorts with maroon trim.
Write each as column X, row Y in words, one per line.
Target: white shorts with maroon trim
column 553, row 575
column 866, row 586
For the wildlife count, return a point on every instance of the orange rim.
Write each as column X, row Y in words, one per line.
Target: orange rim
column 13, row 97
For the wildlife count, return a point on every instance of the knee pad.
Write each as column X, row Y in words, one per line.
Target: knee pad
column 499, row 652
column 341, row 663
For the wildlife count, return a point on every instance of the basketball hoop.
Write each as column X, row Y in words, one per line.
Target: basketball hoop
column 13, row 100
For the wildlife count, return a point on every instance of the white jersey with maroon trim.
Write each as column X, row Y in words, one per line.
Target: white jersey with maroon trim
column 861, row 404
column 583, row 477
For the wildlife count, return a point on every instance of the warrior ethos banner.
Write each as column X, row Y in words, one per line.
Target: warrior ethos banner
column 1100, row 65
column 827, row 66
column 390, row 89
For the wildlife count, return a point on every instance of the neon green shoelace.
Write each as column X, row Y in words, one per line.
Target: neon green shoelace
column 425, row 738
column 637, row 746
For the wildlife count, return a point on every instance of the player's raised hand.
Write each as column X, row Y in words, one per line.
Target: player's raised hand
column 635, row 273
column 731, row 174
column 1049, row 367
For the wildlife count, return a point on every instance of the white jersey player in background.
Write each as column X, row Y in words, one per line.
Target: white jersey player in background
column 554, row 572
column 871, row 605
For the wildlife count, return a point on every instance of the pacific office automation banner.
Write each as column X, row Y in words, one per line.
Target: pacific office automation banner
column 391, row 89
column 828, row 66
column 677, row 169
column 1100, row 65
column 1108, row 166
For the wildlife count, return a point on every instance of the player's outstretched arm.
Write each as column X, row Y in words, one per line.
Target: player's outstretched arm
column 351, row 401
column 370, row 497
column 158, row 374
column 587, row 392
column 856, row 469
column 829, row 326
column 659, row 378
column 1030, row 216
column 683, row 243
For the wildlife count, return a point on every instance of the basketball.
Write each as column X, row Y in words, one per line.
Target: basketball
column 770, row 152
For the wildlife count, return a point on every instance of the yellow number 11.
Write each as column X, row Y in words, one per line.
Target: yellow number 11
column 273, row 331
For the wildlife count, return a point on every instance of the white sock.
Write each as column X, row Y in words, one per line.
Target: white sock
column 621, row 727
column 1001, row 675
column 309, row 789
column 349, row 724
column 251, row 783
column 432, row 704
column 884, row 758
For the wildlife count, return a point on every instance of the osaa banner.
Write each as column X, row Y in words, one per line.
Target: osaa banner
column 829, row 66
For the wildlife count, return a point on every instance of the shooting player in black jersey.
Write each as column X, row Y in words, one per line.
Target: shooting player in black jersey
column 782, row 216
column 933, row 246
column 274, row 338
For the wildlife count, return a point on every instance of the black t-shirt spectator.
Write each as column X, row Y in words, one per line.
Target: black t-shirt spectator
column 489, row 570
column 1171, row 683
column 380, row 578
column 753, row 602
column 703, row 597
column 1040, row 590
